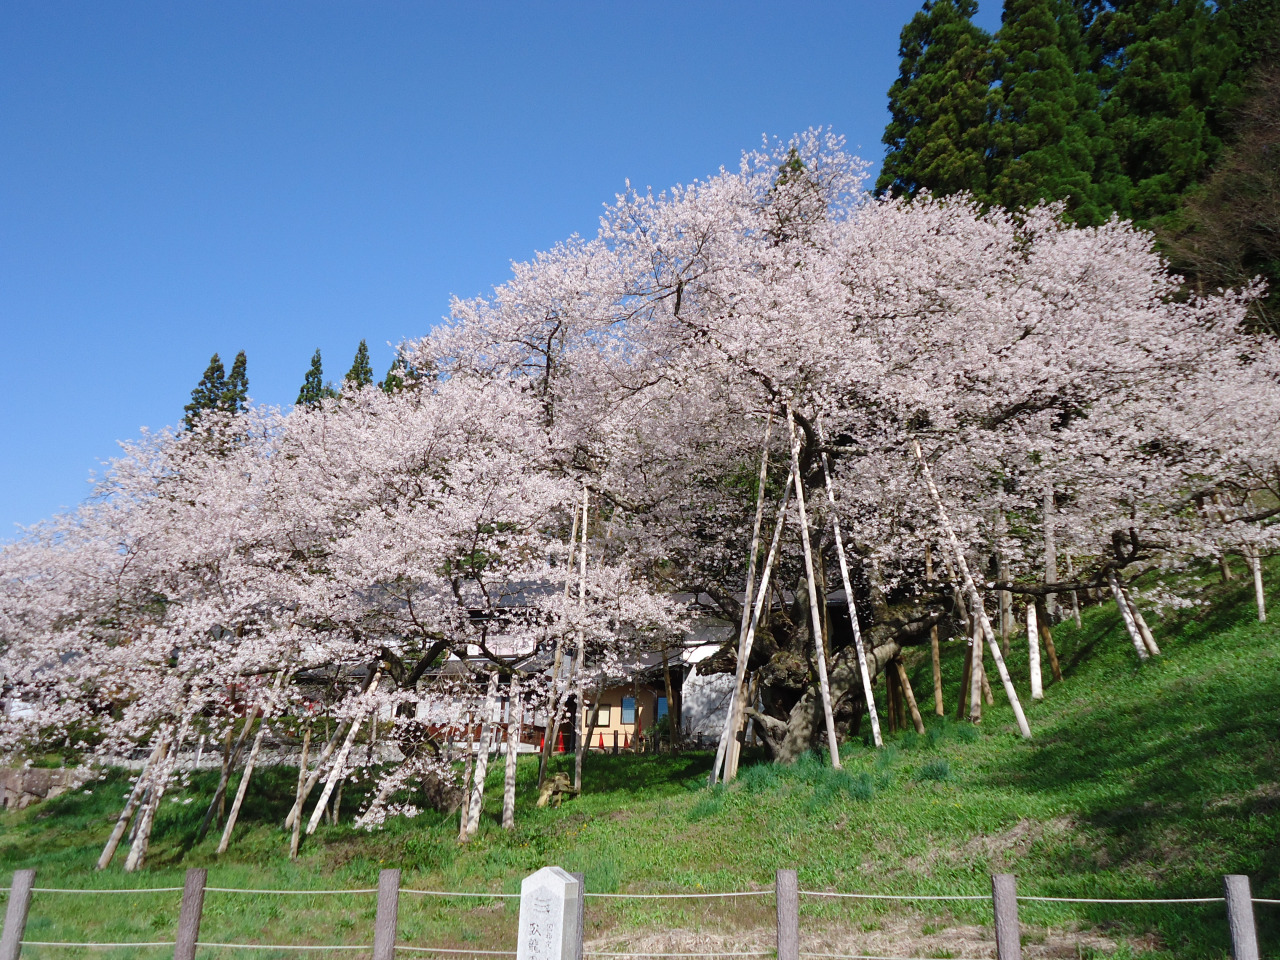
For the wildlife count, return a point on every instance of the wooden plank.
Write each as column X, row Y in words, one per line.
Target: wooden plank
column 15, row 914
column 384, row 924
column 1244, row 932
column 1004, row 899
column 787, row 888
column 189, row 914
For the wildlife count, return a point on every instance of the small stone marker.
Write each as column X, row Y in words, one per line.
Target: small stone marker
column 550, row 907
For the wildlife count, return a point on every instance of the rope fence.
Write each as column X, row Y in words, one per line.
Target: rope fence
column 1004, row 901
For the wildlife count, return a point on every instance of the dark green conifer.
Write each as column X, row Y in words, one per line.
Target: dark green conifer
column 394, row 381
column 940, row 105
column 314, row 389
column 1040, row 144
column 361, row 373
column 208, row 392
column 235, row 391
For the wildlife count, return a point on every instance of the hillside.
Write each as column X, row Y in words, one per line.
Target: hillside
column 1148, row 782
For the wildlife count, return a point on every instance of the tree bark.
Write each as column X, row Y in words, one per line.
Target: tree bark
column 1050, row 550
column 815, row 623
column 555, row 706
column 1075, row 600
column 468, row 765
column 975, row 680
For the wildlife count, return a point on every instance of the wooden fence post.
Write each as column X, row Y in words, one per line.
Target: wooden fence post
column 1004, row 899
column 787, row 889
column 384, row 924
column 15, row 914
column 582, row 914
column 1244, row 932
column 184, row 947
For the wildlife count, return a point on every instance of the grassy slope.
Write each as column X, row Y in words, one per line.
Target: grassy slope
column 1148, row 782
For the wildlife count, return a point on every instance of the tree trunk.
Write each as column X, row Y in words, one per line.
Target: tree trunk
column 482, row 758
column 302, row 779
column 1127, row 616
column 907, row 692
column 514, row 719
column 672, row 729
column 1005, row 599
column 815, row 622
column 975, row 598
column 761, row 601
column 863, row 669
column 963, row 698
column 1033, row 646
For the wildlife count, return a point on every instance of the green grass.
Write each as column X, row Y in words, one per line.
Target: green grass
column 1141, row 782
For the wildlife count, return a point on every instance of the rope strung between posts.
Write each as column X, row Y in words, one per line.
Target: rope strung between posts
column 1092, row 900
column 485, row 953
column 452, row 893
column 103, row 946
column 863, row 956
column 890, row 896
column 300, row 893
column 598, row 953
column 1257, row 900
column 119, row 890
column 283, row 946
column 678, row 896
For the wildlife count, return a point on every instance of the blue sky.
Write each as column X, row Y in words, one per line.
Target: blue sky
column 183, row 178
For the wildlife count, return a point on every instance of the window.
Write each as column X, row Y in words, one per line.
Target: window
column 628, row 709
column 662, row 707
column 602, row 714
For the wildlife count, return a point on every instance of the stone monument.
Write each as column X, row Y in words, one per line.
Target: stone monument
column 550, row 909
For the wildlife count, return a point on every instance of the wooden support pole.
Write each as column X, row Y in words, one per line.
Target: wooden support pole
column 811, row 580
column 184, row 947
column 15, row 914
column 1004, row 899
column 515, row 716
column 910, row 696
column 1244, row 932
column 579, row 936
column 787, row 894
column 384, row 923
column 1033, row 646
column 935, row 651
column 1046, row 634
column 1139, row 645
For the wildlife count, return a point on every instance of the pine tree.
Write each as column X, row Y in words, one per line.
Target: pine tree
column 1041, row 147
column 208, row 392
column 314, row 389
column 361, row 373
column 394, row 381
column 235, row 391
column 940, row 104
